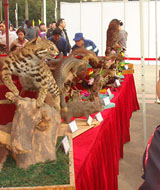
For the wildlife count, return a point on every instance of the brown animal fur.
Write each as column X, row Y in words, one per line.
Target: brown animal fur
column 79, row 108
column 112, row 37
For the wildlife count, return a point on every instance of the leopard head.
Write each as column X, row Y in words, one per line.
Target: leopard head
column 43, row 48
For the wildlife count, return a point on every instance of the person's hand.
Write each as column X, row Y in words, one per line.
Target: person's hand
column 158, row 59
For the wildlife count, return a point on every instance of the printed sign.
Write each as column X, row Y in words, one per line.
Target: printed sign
column 73, row 126
column 66, row 144
column 99, row 117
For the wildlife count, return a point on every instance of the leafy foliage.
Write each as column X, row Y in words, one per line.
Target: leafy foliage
column 34, row 8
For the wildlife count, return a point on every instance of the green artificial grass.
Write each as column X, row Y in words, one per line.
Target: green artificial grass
column 41, row 174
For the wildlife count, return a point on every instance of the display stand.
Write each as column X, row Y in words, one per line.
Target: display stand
column 130, row 69
column 82, row 127
column 5, row 138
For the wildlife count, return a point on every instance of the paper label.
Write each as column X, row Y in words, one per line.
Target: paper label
column 109, row 92
column 89, row 121
column 66, row 144
column 117, row 82
column 73, row 126
column 106, row 100
column 99, row 117
column 126, row 67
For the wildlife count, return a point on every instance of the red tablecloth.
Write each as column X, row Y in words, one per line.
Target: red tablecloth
column 97, row 151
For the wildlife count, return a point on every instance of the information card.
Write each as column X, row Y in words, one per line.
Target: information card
column 73, row 126
column 89, row 121
column 106, row 100
column 99, row 117
column 109, row 92
column 66, row 144
column 117, row 82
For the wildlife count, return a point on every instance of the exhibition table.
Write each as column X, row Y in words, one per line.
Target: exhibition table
column 97, row 151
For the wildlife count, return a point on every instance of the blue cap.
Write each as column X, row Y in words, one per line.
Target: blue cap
column 78, row 36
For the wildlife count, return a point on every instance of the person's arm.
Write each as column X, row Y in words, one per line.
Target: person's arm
column 13, row 46
column 26, row 34
column 65, row 48
column 95, row 49
column 122, row 39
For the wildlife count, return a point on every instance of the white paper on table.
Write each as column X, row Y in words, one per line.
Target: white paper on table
column 109, row 92
column 126, row 67
column 66, row 144
column 73, row 126
column 106, row 100
column 99, row 116
column 89, row 121
column 117, row 82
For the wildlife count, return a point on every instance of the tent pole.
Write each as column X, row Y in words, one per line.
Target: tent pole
column 55, row 10
column 143, row 72
column 148, row 29
column 6, row 5
column 80, row 15
column 124, row 8
column 102, row 27
column 44, row 12
column 156, row 45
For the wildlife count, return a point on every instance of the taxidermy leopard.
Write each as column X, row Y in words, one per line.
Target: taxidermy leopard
column 28, row 63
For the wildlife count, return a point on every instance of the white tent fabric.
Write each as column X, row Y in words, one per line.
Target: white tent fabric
column 90, row 23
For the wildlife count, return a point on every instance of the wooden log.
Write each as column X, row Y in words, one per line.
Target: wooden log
column 5, row 102
column 5, row 137
column 3, row 156
column 34, row 133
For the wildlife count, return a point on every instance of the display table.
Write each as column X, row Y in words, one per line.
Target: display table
column 97, row 151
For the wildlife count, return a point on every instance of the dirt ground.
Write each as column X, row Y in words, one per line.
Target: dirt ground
column 131, row 166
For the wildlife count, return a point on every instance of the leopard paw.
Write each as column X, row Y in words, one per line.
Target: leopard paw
column 16, row 92
column 39, row 103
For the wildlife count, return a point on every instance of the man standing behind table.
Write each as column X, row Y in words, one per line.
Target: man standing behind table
column 50, row 30
column 81, row 42
column 62, row 25
column 59, row 41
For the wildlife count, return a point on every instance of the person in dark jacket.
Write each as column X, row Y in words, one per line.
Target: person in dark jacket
column 59, row 41
column 50, row 30
column 62, row 25
column 29, row 31
column 81, row 42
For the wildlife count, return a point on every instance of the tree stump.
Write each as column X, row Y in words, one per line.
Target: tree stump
column 33, row 132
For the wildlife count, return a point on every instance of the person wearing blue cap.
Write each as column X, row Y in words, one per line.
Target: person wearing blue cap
column 59, row 41
column 81, row 42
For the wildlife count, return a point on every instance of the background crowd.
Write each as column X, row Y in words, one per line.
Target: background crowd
column 57, row 33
